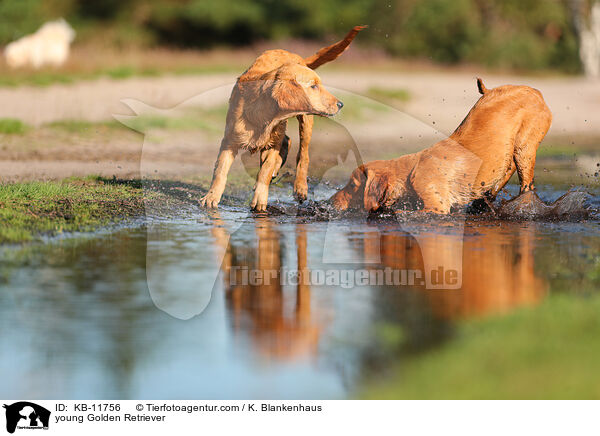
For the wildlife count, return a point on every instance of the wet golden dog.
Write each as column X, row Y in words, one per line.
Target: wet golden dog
column 277, row 86
column 499, row 136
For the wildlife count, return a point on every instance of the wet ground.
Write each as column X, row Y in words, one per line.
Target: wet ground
column 287, row 304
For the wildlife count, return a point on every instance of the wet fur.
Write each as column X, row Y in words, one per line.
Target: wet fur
column 500, row 135
column 263, row 98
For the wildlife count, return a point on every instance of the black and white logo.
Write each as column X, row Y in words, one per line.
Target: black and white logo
column 26, row 415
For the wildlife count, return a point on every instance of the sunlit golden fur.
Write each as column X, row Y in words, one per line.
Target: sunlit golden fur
column 277, row 86
column 260, row 104
column 499, row 136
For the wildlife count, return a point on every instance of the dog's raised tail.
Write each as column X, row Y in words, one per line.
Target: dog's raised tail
column 329, row 53
column 481, row 86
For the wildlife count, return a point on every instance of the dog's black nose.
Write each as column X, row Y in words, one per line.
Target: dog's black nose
column 340, row 104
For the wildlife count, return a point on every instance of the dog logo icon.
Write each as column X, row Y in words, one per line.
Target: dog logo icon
column 26, row 415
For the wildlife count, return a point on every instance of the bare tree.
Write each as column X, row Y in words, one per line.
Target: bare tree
column 586, row 19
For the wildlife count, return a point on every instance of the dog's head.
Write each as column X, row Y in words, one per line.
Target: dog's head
column 297, row 89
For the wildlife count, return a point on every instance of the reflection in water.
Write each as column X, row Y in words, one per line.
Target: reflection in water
column 74, row 299
column 280, row 323
column 79, row 312
column 497, row 266
column 496, row 271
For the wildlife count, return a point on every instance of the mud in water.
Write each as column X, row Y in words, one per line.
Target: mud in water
column 573, row 205
column 528, row 206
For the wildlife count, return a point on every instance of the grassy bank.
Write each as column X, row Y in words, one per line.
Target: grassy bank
column 549, row 351
column 28, row 210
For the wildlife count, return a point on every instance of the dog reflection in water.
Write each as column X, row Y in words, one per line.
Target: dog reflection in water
column 502, row 279
column 281, row 324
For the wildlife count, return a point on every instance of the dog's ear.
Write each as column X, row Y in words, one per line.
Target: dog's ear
column 375, row 190
column 290, row 96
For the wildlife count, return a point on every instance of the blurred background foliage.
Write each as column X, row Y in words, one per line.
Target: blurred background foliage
column 519, row 34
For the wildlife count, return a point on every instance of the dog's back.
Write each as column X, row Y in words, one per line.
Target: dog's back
column 496, row 109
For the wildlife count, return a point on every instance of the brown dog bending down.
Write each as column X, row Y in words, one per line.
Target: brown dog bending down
column 277, row 86
column 499, row 136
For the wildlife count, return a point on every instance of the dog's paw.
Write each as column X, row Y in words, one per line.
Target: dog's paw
column 261, row 196
column 300, row 191
column 210, row 200
column 258, row 206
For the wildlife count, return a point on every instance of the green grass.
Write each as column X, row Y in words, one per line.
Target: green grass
column 393, row 94
column 206, row 119
column 557, row 151
column 549, row 351
column 82, row 126
column 123, row 72
column 43, row 78
column 28, row 210
column 11, row 126
column 566, row 146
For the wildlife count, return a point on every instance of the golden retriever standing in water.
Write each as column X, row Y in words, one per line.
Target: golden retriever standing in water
column 277, row 86
column 499, row 136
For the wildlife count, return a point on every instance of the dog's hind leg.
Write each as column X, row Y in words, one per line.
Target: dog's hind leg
column 305, row 124
column 498, row 186
column 527, row 141
column 270, row 160
column 283, row 152
column 525, row 160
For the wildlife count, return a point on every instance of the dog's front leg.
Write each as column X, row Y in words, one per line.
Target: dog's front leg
column 217, row 186
column 270, row 159
column 305, row 125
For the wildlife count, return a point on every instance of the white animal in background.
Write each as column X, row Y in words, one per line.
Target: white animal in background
column 48, row 46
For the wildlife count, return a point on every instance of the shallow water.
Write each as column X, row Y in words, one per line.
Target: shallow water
column 170, row 310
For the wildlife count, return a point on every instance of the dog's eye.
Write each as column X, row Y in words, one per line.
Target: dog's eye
column 315, row 86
